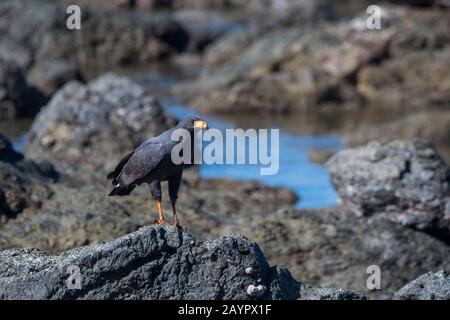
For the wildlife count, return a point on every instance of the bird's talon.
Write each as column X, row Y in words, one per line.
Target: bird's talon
column 179, row 226
column 159, row 221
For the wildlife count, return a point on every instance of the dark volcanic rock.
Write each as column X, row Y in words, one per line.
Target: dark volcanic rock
column 93, row 125
column 333, row 248
column 67, row 218
column 429, row 125
column 430, row 286
column 292, row 69
column 157, row 262
column 50, row 75
column 107, row 37
column 18, row 191
column 404, row 181
column 17, row 97
column 38, row 54
column 23, row 182
column 7, row 153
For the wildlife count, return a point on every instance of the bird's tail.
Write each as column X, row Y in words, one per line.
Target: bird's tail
column 121, row 191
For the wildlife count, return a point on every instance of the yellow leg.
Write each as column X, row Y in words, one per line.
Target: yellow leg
column 160, row 212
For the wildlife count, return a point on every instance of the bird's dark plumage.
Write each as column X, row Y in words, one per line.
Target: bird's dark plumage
column 151, row 163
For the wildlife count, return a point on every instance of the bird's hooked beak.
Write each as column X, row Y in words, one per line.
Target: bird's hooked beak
column 200, row 124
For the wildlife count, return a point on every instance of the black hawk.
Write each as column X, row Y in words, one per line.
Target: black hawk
column 152, row 163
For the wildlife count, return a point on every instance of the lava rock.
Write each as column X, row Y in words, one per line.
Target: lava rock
column 107, row 37
column 156, row 262
column 413, row 125
column 23, row 182
column 333, row 248
column 7, row 152
column 430, row 286
column 404, row 181
column 17, row 97
column 55, row 211
column 296, row 68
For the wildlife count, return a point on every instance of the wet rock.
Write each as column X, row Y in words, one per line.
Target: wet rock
column 430, row 286
column 157, row 262
column 50, row 75
column 22, row 182
column 404, row 181
column 333, row 248
column 93, row 125
column 17, row 98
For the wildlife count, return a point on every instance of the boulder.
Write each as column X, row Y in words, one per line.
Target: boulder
column 156, row 262
column 334, row 248
column 285, row 68
column 94, row 125
column 409, row 126
column 23, row 182
column 17, row 97
column 38, row 54
column 404, row 181
column 68, row 218
column 107, row 37
column 50, row 75
column 430, row 286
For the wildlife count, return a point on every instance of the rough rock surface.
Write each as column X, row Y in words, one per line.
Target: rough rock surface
column 38, row 54
column 291, row 69
column 50, row 75
column 405, row 181
column 70, row 216
column 80, row 122
column 156, row 262
column 430, row 286
column 333, row 248
column 409, row 126
column 22, row 182
column 107, row 37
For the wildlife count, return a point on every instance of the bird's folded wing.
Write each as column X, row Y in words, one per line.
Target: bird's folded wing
column 143, row 161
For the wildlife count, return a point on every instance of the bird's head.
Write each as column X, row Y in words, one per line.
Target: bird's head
column 192, row 122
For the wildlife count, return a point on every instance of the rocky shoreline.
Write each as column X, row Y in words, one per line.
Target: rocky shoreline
column 244, row 240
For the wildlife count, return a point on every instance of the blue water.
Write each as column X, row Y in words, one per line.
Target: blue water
column 308, row 180
column 19, row 141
